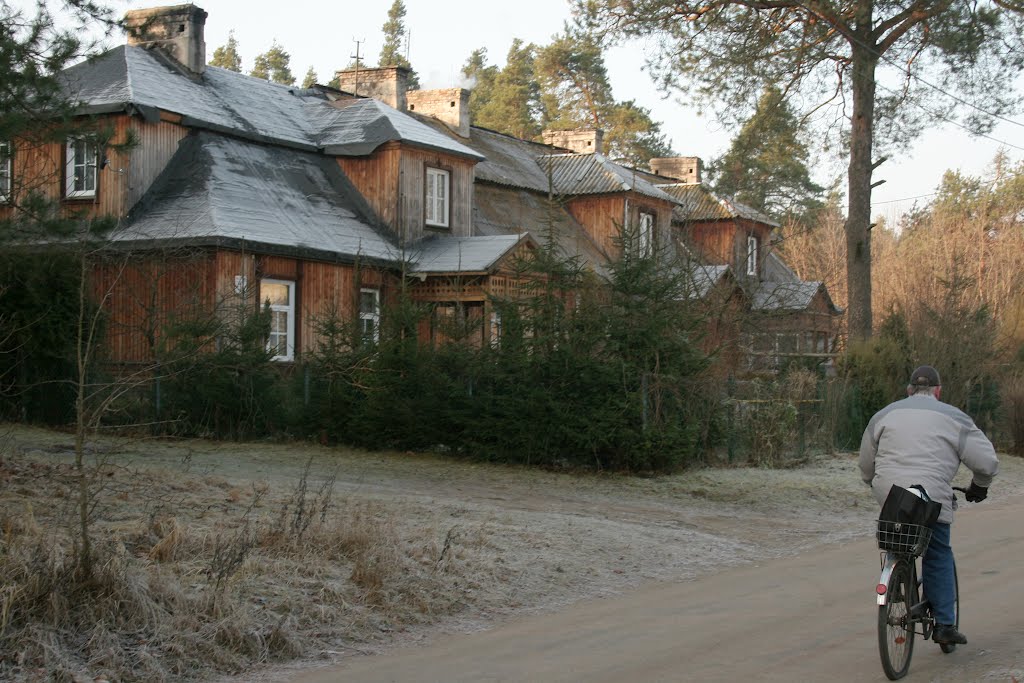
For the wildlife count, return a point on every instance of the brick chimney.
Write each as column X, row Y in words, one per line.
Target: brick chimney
column 581, row 140
column 449, row 105
column 683, row 169
column 178, row 30
column 385, row 83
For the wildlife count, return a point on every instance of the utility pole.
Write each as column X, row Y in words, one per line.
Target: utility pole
column 356, row 57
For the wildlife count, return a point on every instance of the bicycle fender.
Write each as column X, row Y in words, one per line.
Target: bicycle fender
column 883, row 580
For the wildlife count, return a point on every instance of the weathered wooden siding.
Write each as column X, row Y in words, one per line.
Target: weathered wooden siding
column 412, row 183
column 376, row 178
column 157, row 144
column 713, row 240
column 392, row 181
column 119, row 184
column 141, row 296
column 602, row 217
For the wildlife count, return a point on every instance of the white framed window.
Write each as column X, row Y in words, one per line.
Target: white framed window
column 751, row 255
column 369, row 315
column 645, row 234
column 81, row 161
column 279, row 295
column 437, row 193
column 5, row 171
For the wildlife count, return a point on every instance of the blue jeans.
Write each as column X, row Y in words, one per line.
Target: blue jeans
column 937, row 574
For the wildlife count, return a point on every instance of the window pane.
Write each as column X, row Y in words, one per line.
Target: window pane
column 5, row 169
column 279, row 322
column 430, row 195
column 276, row 294
column 368, row 302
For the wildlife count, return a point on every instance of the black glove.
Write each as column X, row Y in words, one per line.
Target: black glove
column 975, row 493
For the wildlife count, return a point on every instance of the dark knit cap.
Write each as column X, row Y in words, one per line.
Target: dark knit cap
column 925, row 376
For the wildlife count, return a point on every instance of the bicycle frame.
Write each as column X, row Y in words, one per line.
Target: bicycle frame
column 920, row 613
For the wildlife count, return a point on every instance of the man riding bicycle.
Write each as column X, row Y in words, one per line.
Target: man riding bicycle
column 920, row 440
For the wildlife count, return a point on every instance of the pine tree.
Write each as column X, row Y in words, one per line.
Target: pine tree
column 310, row 80
column 479, row 77
column 766, row 165
column 274, row 65
column 577, row 94
column 514, row 96
column 395, row 37
column 226, row 56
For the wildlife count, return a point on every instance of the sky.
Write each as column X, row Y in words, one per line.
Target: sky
column 443, row 34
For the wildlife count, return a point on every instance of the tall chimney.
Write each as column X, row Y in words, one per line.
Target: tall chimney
column 178, row 30
column 385, row 83
column 449, row 105
column 683, row 169
column 581, row 140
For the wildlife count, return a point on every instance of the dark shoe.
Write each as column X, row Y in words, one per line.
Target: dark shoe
column 946, row 634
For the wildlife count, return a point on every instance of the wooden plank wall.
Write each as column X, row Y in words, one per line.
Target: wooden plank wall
column 714, row 240
column 142, row 295
column 376, row 178
column 119, row 185
column 412, row 188
column 601, row 216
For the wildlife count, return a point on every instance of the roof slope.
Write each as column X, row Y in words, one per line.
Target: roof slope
column 221, row 100
column 219, row 190
column 448, row 254
column 510, row 211
column 698, row 203
column 581, row 174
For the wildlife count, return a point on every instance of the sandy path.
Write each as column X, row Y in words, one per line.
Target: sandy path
column 803, row 618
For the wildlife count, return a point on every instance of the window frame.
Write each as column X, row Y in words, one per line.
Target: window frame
column 645, row 232
column 752, row 254
column 6, row 171
column 71, row 163
column 430, row 200
column 372, row 316
column 289, row 308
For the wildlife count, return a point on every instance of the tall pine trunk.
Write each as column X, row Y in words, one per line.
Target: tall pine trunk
column 858, row 221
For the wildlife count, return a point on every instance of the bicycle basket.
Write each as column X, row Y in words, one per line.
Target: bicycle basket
column 897, row 537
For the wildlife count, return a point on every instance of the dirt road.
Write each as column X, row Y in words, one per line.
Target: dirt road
column 809, row 617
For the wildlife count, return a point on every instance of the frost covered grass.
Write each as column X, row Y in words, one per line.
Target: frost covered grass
column 217, row 559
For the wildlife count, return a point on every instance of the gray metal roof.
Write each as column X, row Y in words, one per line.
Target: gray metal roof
column 450, row 254
column 509, row 211
column 509, row 161
column 789, row 296
column 698, row 203
column 252, row 108
column 580, row 174
column 219, row 190
column 701, row 279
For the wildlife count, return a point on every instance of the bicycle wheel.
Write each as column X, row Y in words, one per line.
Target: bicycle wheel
column 895, row 629
column 949, row 647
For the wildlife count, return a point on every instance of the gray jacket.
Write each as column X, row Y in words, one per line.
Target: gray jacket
column 921, row 440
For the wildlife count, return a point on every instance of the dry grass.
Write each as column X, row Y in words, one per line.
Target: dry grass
column 218, row 559
column 196, row 576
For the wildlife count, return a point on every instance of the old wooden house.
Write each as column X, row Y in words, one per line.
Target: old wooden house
column 237, row 193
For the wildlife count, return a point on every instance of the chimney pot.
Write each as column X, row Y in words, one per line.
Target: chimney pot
column 683, row 169
column 581, row 140
column 179, row 30
column 448, row 105
column 385, row 83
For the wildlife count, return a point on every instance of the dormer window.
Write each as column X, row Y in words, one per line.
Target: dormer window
column 81, row 160
column 751, row 255
column 437, row 192
column 5, row 171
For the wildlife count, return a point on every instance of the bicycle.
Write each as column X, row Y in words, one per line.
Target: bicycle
column 902, row 610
